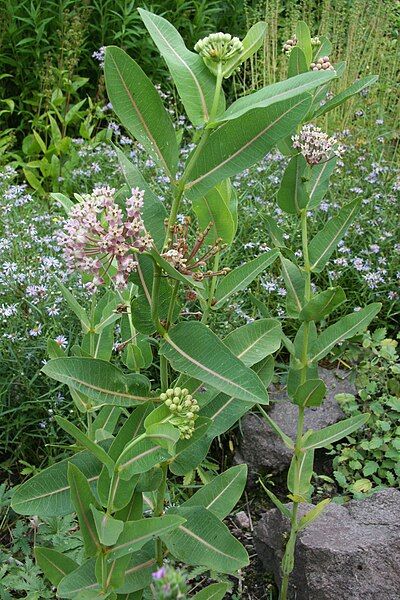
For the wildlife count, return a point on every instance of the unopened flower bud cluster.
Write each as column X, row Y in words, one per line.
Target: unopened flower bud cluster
column 219, row 47
column 322, row 64
column 97, row 235
column 293, row 41
column 315, row 145
column 184, row 409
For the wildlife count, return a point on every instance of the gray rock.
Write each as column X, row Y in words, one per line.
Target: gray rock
column 351, row 552
column 263, row 450
column 242, row 520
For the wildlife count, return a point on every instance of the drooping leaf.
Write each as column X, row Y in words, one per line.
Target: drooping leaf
column 194, row 82
column 100, row 380
column 153, row 211
column 108, row 529
column 82, row 498
column 279, row 505
column 322, row 304
column 47, row 494
column 328, row 435
column 345, row 328
column 325, row 241
column 239, row 144
column 293, row 195
column 83, row 439
column 295, row 284
column 337, row 100
column 192, row 348
column 54, row 565
column 139, row 107
column 221, row 495
column 242, row 276
column 204, row 540
column 310, row 393
column 319, row 180
column 312, row 514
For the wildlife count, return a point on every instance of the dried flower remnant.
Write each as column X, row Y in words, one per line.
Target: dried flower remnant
column 98, row 239
column 184, row 259
column 315, row 145
column 219, row 47
column 184, row 409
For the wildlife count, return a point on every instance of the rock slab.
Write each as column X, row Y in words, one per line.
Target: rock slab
column 351, row 552
column 263, row 450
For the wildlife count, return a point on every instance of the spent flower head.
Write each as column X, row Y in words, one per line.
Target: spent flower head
column 219, row 47
column 98, row 239
column 315, row 145
column 184, row 409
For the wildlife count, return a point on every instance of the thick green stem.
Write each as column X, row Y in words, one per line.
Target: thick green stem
column 211, row 291
column 288, row 560
column 159, row 510
column 164, row 373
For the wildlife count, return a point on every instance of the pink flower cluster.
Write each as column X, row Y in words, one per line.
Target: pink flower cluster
column 315, row 145
column 99, row 239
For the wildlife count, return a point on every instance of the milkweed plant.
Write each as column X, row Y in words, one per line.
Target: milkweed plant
column 181, row 385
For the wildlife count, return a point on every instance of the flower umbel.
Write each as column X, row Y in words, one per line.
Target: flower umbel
column 219, row 47
column 99, row 239
column 322, row 64
column 184, row 409
column 315, row 145
column 169, row 583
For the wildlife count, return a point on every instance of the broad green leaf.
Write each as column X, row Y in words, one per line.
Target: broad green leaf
column 253, row 40
column 337, row 100
column 140, row 458
column 54, row 565
column 328, row 435
column 79, row 581
column 254, row 341
column 74, row 305
column 107, row 418
column 87, row 443
column 310, row 393
column 204, row 540
column 319, row 180
column 345, row 328
column 54, row 350
column 82, row 497
column 139, row 107
column 103, row 382
column 300, row 473
column 324, row 49
column 137, row 533
column 275, row 232
column 192, row 348
column 295, row 374
column 322, row 304
column 164, row 434
column 277, row 92
column 47, row 494
column 312, row 514
column 190, row 453
column 295, row 283
column 153, row 211
column 297, row 63
column 108, row 529
column 122, row 491
column 304, row 40
column 141, row 566
column 239, row 144
column 293, row 195
column 242, row 276
column 221, row 495
column 215, row 591
column 212, row 208
column 325, row 241
column 194, row 82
